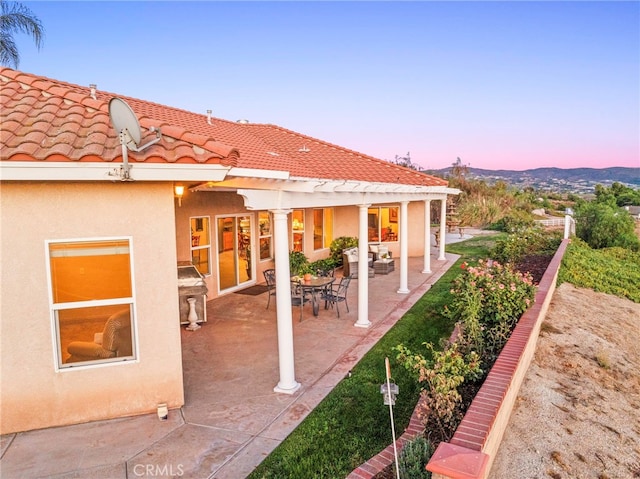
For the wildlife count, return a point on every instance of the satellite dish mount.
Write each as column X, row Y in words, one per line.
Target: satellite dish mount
column 126, row 123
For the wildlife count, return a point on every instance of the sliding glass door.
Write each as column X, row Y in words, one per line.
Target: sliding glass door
column 234, row 237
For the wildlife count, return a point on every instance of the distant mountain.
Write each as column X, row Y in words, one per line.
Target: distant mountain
column 577, row 180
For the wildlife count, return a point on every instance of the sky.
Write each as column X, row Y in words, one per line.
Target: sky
column 500, row 85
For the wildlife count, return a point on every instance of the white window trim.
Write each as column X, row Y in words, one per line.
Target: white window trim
column 302, row 232
column 252, row 229
column 209, row 246
column 270, row 235
column 379, row 208
column 324, row 222
column 53, row 307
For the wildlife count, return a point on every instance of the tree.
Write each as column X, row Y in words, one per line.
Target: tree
column 16, row 18
column 602, row 225
column 406, row 162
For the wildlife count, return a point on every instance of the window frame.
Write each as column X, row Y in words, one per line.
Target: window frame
column 379, row 215
column 300, row 232
column 326, row 241
column 268, row 236
column 200, row 247
column 54, row 307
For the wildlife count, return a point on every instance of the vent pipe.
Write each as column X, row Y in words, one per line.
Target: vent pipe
column 209, row 117
column 93, row 87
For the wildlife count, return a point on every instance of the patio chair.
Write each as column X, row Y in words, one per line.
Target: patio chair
column 337, row 293
column 350, row 262
column 327, row 273
column 298, row 296
column 270, row 278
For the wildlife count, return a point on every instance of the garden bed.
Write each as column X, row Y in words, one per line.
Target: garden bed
column 536, row 265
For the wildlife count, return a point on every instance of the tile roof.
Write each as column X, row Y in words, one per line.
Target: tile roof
column 48, row 120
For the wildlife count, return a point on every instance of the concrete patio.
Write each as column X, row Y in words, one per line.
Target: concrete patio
column 232, row 418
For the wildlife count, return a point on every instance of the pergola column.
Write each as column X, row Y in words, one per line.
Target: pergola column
column 363, row 268
column 287, row 383
column 443, row 227
column 404, row 248
column 427, row 237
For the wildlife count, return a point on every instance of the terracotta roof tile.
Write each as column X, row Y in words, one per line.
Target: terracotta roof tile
column 43, row 119
column 29, row 101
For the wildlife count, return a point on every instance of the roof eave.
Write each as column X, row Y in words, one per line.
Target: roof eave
column 94, row 171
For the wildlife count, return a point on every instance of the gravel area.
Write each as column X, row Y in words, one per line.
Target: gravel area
column 578, row 411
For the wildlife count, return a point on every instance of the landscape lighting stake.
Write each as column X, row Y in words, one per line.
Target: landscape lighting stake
column 389, row 394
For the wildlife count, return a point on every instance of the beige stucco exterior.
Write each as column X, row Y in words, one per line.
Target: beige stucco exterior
column 34, row 393
column 214, row 204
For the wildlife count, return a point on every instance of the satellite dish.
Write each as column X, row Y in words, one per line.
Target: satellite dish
column 126, row 123
column 124, row 119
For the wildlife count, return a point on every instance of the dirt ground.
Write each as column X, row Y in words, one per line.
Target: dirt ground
column 577, row 414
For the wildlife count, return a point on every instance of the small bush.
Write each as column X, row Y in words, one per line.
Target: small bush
column 322, row 265
column 603, row 360
column 339, row 244
column 516, row 220
column 440, row 377
column 414, row 457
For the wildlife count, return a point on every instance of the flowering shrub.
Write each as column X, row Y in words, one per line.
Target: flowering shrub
column 488, row 299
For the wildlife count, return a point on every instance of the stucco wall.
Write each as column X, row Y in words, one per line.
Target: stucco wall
column 346, row 220
column 33, row 394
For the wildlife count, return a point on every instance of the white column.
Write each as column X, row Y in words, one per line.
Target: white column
column 404, row 248
column 363, row 268
column 443, row 227
column 427, row 237
column 287, row 383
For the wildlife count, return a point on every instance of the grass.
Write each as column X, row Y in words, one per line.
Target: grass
column 351, row 424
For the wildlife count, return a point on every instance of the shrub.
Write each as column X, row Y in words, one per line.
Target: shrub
column 488, row 299
column 440, row 378
column 516, row 220
column 414, row 457
column 322, row 265
column 339, row 244
column 602, row 225
column 533, row 240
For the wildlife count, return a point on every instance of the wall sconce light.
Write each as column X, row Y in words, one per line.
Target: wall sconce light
column 179, row 191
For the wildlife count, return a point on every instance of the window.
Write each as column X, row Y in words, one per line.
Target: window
column 322, row 228
column 297, row 225
column 201, row 244
column 383, row 224
column 266, row 235
column 91, row 289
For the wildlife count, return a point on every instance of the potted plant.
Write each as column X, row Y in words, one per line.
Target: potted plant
column 306, row 271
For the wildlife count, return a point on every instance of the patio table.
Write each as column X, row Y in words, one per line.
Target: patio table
column 314, row 286
column 384, row 266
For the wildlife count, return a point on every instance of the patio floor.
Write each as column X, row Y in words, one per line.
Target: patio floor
column 232, row 418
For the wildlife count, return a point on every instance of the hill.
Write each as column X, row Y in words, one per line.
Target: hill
column 570, row 180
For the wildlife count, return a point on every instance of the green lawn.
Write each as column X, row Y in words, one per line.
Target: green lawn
column 351, row 424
